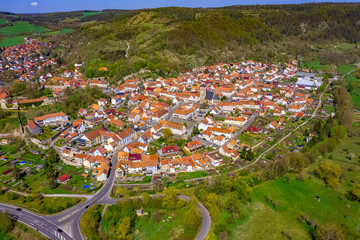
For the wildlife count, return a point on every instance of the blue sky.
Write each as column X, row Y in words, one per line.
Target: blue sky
column 41, row 6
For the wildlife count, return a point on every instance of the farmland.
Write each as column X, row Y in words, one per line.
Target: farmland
column 21, row 28
column 86, row 14
column 3, row 21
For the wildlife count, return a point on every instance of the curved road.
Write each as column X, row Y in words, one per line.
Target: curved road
column 66, row 225
column 206, row 221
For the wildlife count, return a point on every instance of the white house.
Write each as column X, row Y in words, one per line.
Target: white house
column 51, row 118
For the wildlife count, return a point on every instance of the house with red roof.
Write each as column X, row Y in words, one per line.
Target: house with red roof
column 64, row 178
column 34, row 128
column 193, row 146
column 99, row 151
column 169, row 150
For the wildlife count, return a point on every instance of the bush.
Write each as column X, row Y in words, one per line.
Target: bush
column 303, row 218
column 300, row 177
column 156, row 216
column 6, row 222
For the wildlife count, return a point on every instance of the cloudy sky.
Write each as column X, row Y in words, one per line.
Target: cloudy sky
column 42, row 6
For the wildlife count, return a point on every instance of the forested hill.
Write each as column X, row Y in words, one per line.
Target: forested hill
column 167, row 39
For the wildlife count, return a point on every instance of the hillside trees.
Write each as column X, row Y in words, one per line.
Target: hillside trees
column 6, row 222
column 329, row 172
column 90, row 222
column 343, row 105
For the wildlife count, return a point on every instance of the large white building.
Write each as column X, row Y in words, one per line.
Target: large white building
column 51, row 118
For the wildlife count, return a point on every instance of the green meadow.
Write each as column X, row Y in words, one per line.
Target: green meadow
column 12, row 41
column 86, row 14
column 21, row 28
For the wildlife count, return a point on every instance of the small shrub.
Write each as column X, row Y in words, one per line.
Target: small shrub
column 156, row 216
column 312, row 223
column 300, row 177
column 303, row 218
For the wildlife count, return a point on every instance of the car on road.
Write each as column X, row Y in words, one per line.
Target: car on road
column 18, row 209
column 59, row 230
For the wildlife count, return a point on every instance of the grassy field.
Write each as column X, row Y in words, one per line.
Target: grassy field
column 265, row 223
column 61, row 31
column 351, row 166
column 3, row 21
column 297, row 197
column 351, row 80
column 344, row 69
column 316, row 65
column 344, row 47
column 21, row 28
column 86, row 14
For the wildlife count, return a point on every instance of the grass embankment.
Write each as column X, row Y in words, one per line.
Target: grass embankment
column 39, row 204
column 89, row 222
column 22, row 232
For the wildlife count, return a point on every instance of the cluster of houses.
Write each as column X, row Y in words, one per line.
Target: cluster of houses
column 131, row 162
column 25, row 59
column 231, row 93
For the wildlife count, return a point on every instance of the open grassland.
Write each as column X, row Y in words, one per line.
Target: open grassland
column 316, row 65
column 352, row 82
column 344, row 69
column 21, row 28
column 347, row 155
column 344, row 47
column 3, row 21
column 12, row 41
column 86, row 14
column 297, row 197
column 265, row 223
column 61, row 31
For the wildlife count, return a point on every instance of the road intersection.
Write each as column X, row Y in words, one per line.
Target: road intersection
column 66, row 225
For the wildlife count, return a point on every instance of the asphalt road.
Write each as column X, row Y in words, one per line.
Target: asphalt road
column 39, row 223
column 206, row 221
column 70, row 219
column 66, row 225
column 246, row 125
column 176, row 106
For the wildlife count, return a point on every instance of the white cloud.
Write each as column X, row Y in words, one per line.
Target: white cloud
column 34, row 4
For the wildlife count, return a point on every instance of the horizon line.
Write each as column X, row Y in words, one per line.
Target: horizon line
column 134, row 9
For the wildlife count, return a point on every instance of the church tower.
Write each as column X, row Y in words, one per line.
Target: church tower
column 202, row 93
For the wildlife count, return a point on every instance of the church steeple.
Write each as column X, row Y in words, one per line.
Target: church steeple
column 202, row 93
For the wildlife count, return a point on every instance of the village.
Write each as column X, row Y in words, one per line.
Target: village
column 209, row 119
